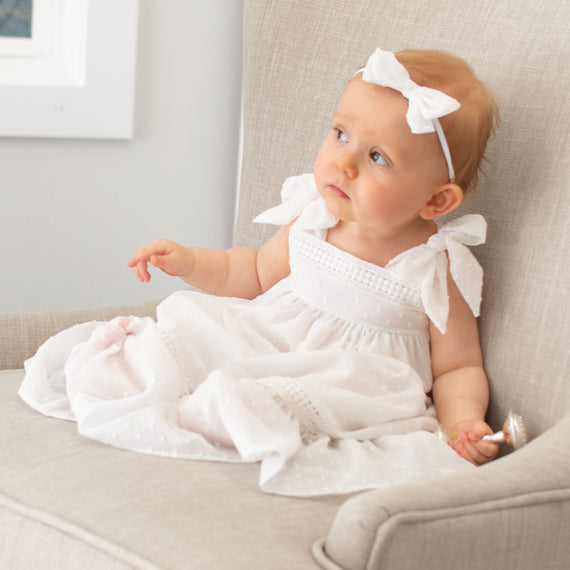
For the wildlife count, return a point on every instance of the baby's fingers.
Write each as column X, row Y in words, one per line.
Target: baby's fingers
column 475, row 451
column 141, row 271
column 459, row 447
column 140, row 260
column 145, row 253
column 139, row 264
column 484, row 451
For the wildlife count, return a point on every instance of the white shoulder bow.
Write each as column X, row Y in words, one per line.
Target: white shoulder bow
column 300, row 199
column 427, row 264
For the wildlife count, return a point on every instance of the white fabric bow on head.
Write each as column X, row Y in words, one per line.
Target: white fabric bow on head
column 425, row 105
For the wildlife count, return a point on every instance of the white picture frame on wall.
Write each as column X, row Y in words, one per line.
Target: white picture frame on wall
column 75, row 76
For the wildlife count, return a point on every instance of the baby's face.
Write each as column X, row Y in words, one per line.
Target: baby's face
column 371, row 168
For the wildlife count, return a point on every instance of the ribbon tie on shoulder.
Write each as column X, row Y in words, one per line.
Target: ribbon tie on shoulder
column 425, row 105
column 465, row 270
column 299, row 199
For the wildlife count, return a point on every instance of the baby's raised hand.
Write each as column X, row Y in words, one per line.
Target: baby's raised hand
column 466, row 440
column 169, row 256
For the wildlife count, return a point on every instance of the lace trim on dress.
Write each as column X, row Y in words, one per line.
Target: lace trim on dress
column 377, row 280
column 312, row 417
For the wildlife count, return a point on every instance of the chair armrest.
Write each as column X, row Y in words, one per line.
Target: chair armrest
column 512, row 513
column 21, row 335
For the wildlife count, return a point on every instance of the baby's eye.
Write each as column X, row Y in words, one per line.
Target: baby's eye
column 341, row 136
column 378, row 158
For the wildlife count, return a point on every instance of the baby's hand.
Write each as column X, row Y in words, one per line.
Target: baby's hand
column 466, row 440
column 171, row 257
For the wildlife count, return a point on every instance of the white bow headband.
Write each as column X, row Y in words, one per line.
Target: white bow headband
column 425, row 105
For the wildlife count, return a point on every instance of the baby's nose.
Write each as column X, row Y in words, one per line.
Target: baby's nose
column 347, row 164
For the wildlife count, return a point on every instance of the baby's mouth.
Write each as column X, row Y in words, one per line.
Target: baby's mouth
column 338, row 192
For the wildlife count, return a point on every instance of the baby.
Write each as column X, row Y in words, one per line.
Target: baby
column 330, row 354
column 386, row 180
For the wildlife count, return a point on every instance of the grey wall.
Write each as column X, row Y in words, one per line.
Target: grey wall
column 72, row 212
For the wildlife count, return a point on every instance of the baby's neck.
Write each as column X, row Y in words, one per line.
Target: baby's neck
column 378, row 249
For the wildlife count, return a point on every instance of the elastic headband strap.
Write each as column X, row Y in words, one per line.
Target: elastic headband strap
column 444, row 148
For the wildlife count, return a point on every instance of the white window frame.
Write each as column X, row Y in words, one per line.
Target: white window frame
column 75, row 77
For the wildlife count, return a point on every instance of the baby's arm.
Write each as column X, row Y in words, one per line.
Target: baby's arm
column 237, row 272
column 460, row 389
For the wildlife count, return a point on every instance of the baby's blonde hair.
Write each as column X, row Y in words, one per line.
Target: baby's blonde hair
column 468, row 129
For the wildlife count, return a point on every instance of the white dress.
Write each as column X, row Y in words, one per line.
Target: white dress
column 324, row 379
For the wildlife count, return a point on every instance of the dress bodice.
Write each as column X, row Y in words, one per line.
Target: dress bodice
column 340, row 283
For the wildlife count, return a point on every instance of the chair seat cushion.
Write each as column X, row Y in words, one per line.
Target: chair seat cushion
column 69, row 502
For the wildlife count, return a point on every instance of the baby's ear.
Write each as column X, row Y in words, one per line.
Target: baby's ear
column 444, row 200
